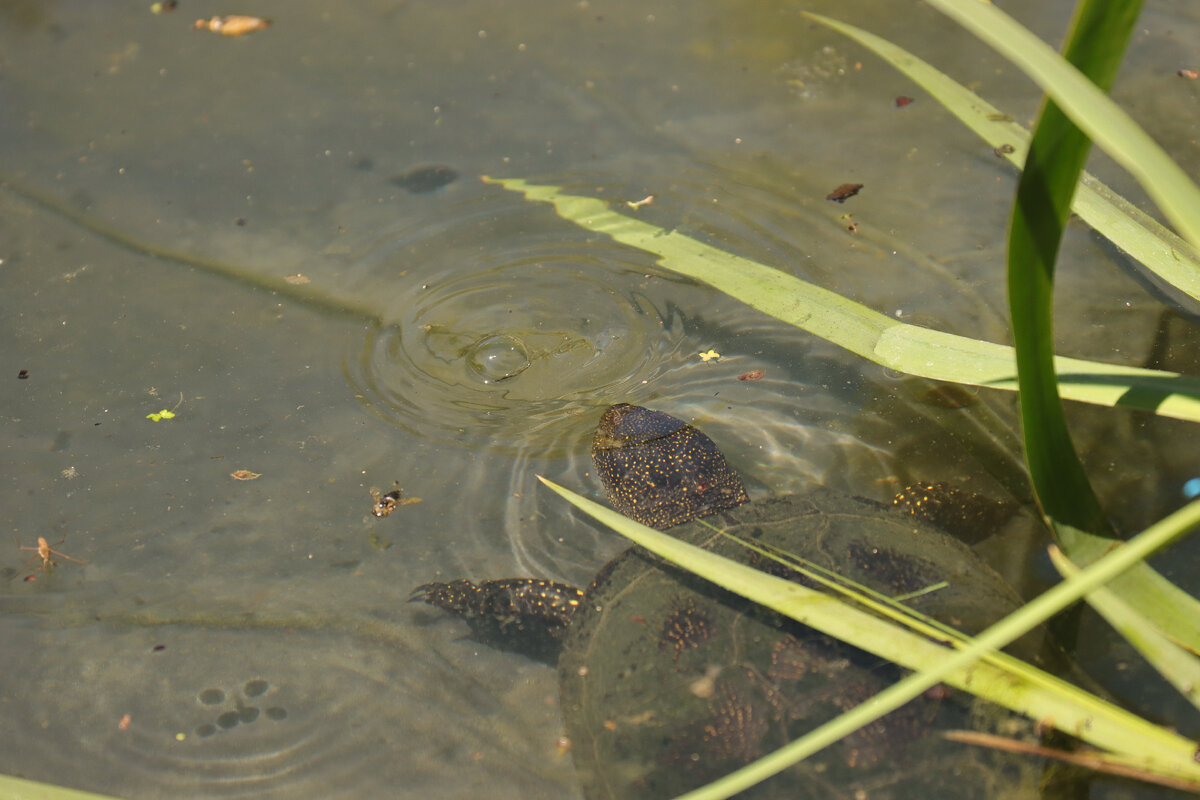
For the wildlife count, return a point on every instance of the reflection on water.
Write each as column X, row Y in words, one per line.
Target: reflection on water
column 232, row 637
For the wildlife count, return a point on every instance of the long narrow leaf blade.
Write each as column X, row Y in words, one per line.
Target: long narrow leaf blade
column 1157, row 248
column 1085, row 716
column 1053, row 165
column 888, row 342
column 1177, row 665
column 1088, row 107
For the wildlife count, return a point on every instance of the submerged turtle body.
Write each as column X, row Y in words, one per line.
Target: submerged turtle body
column 668, row 682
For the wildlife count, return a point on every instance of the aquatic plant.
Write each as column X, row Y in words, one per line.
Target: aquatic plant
column 1158, row 618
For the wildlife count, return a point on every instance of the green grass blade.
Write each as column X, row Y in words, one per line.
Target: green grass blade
column 1083, row 715
column 20, row 789
column 1159, row 249
column 1104, row 122
column 883, row 340
column 1057, row 153
column 1171, row 609
column 1056, row 157
column 1177, row 665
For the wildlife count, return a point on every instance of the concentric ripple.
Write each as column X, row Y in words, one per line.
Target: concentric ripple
column 505, row 324
column 503, row 353
column 218, row 714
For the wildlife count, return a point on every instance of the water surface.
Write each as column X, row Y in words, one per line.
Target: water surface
column 458, row 341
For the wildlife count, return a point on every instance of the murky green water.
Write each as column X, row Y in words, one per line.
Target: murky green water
column 459, row 341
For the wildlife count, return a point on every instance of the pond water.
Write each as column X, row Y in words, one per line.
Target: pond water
column 282, row 238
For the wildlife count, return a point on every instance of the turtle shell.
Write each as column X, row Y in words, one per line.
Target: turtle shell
column 668, row 682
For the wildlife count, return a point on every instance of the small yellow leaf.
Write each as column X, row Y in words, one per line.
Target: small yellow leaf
column 711, row 355
column 164, row 414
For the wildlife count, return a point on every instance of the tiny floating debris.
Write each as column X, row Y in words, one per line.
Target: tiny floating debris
column 232, row 25
column 636, row 204
column 385, row 504
column 1003, row 150
column 753, row 375
column 166, row 413
column 903, row 101
column 244, row 475
column 296, row 279
column 844, row 192
column 1188, row 73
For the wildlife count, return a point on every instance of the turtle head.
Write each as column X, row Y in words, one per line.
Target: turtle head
column 659, row 470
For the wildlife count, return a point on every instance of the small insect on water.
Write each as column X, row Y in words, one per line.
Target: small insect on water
column 385, row 504
column 43, row 551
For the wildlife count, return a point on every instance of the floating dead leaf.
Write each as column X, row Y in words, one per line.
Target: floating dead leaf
column 1188, row 73
column 844, row 192
column 752, row 375
column 244, row 475
column 232, row 25
column 903, row 101
column 645, row 201
column 297, row 279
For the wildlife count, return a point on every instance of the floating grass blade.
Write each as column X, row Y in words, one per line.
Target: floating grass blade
column 1041, row 697
column 21, row 789
column 1157, row 248
column 1104, row 122
column 1053, row 464
column 907, row 348
column 1177, row 665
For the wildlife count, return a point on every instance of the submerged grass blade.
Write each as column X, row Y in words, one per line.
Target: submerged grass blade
column 1082, row 715
column 907, row 348
column 1159, row 249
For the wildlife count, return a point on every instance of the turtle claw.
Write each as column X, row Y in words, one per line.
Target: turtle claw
column 525, row 615
column 458, row 596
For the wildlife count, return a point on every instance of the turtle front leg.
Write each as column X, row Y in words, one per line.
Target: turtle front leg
column 507, row 611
